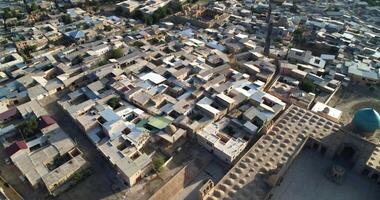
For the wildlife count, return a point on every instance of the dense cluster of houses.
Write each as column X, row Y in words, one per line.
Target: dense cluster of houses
column 45, row 155
column 201, row 74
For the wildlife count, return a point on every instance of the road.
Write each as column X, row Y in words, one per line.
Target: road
column 9, row 191
column 274, row 78
column 99, row 184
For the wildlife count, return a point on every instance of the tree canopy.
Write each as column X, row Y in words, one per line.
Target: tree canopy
column 10, row 13
column 373, row 2
column 29, row 49
column 307, row 86
column 137, row 14
column 66, row 19
column 298, row 37
column 77, row 60
column 28, row 127
column 138, row 43
column 159, row 14
column 158, row 162
column 107, row 28
column 33, row 7
column 114, row 102
column 115, row 53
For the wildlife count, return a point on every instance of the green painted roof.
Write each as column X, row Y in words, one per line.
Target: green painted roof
column 367, row 120
column 159, row 122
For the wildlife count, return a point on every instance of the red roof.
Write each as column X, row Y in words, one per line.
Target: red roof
column 12, row 112
column 14, row 147
column 45, row 121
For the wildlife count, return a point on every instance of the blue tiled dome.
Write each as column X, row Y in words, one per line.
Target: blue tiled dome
column 367, row 120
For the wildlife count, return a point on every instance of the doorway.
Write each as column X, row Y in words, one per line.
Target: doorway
column 346, row 155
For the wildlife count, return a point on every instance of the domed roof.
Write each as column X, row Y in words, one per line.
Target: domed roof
column 367, row 120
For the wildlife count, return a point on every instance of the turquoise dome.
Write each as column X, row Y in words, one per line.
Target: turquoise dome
column 367, row 120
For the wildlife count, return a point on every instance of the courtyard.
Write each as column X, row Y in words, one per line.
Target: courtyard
column 306, row 180
column 354, row 97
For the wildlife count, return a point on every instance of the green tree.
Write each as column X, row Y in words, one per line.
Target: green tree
column 137, row 14
column 148, row 19
column 10, row 13
column 66, row 19
column 115, row 53
column 159, row 14
column 307, row 86
column 176, row 6
column 107, row 28
column 28, row 127
column 158, row 162
column 298, row 36
column 119, row 11
column 96, row 5
column 7, row 13
column 86, row 26
column 29, row 49
column 154, row 41
column 138, row 43
column 373, row 2
column 34, row 7
column 103, row 62
column 77, row 60
column 192, row 1
column 114, row 102
column 99, row 37
column 155, row 18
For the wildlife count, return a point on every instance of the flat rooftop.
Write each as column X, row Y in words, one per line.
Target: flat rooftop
column 306, row 180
